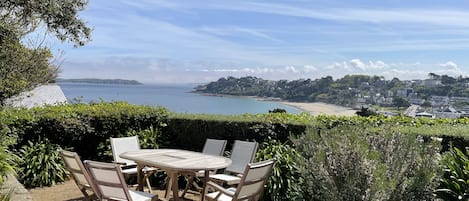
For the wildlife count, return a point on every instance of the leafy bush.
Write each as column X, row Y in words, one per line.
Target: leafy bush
column 81, row 127
column 7, row 157
column 148, row 139
column 284, row 183
column 6, row 163
column 367, row 163
column 41, row 165
column 455, row 182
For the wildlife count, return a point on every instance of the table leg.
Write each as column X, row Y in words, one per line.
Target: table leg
column 204, row 188
column 174, row 176
column 140, row 176
column 168, row 185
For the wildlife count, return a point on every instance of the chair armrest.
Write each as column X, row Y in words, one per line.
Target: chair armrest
column 119, row 163
column 220, row 188
column 125, row 165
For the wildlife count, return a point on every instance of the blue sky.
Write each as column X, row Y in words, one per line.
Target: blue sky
column 159, row 41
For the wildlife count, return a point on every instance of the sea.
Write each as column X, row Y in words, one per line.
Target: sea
column 176, row 98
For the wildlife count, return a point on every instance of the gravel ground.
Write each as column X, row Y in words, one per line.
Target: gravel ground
column 61, row 192
column 68, row 191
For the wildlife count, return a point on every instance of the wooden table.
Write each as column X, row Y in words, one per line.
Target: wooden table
column 175, row 161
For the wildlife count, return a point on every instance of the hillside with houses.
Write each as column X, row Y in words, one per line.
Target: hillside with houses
column 439, row 96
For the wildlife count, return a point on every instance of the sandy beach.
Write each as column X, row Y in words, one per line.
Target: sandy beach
column 318, row 108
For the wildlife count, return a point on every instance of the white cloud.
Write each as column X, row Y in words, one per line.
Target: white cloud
column 377, row 65
column 358, row 64
column 441, row 17
column 338, row 66
column 291, row 69
column 416, row 64
column 433, row 16
column 450, row 65
column 149, row 70
column 404, row 74
column 309, row 68
column 238, row 31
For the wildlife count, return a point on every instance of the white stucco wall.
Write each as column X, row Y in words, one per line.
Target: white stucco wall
column 43, row 95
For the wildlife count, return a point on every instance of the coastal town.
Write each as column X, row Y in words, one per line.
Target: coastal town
column 434, row 106
column 439, row 96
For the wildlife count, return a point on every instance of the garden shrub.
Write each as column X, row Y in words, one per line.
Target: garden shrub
column 284, row 183
column 148, row 139
column 41, row 165
column 7, row 157
column 367, row 163
column 454, row 185
column 189, row 131
column 81, row 127
column 6, row 163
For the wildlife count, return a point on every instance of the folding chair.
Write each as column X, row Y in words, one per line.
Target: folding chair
column 250, row 186
column 109, row 183
column 243, row 153
column 124, row 144
column 212, row 147
column 79, row 173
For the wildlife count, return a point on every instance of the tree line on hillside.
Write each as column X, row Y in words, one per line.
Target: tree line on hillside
column 24, row 66
column 343, row 91
column 99, row 81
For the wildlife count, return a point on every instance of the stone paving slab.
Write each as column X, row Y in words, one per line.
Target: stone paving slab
column 19, row 192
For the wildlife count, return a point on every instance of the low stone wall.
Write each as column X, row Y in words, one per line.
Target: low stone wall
column 19, row 192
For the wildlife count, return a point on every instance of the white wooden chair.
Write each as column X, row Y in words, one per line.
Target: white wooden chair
column 212, row 147
column 250, row 186
column 243, row 153
column 109, row 183
column 124, row 144
column 79, row 173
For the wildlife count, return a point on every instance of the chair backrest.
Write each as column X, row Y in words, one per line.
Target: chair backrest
column 252, row 183
column 76, row 169
column 124, row 144
column 108, row 180
column 243, row 153
column 214, row 147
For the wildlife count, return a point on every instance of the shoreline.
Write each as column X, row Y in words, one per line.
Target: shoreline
column 313, row 108
column 320, row 108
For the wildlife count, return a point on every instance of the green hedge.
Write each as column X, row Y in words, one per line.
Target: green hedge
column 187, row 131
column 81, row 127
column 84, row 127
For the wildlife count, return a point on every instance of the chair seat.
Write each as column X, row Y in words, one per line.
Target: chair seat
column 201, row 173
column 250, row 187
column 134, row 170
column 130, row 171
column 222, row 197
column 142, row 196
column 229, row 179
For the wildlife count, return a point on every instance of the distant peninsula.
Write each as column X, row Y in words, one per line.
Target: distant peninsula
column 99, row 81
column 351, row 90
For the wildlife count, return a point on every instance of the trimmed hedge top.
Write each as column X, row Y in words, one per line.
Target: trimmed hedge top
column 85, row 127
column 81, row 126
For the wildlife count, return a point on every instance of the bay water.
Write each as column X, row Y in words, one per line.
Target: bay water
column 177, row 98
